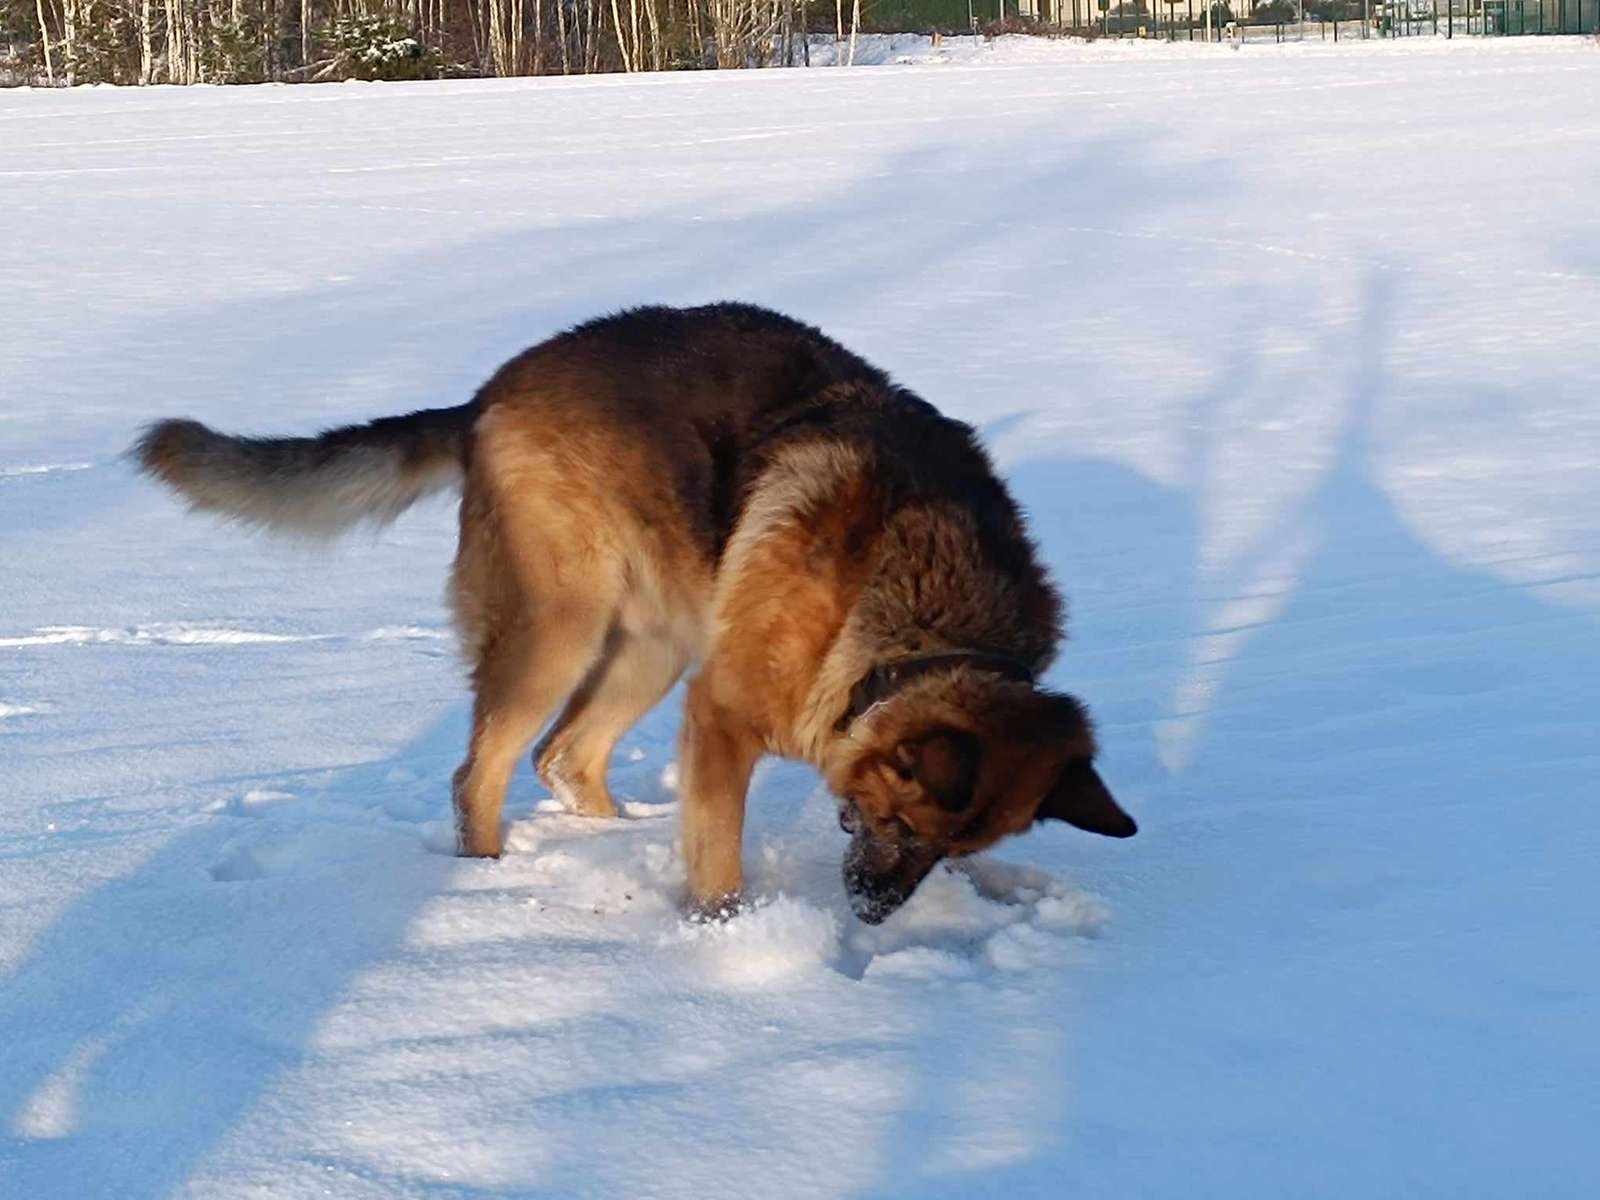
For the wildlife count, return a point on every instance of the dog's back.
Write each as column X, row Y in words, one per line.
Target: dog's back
column 710, row 395
column 679, row 398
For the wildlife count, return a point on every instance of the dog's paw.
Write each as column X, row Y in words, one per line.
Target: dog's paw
column 715, row 910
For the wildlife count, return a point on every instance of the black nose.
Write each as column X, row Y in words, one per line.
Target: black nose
column 874, row 909
column 849, row 817
column 872, row 897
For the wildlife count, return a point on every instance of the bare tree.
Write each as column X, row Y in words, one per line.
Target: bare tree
column 223, row 41
column 44, row 43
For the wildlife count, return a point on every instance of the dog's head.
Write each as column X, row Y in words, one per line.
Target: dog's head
column 949, row 766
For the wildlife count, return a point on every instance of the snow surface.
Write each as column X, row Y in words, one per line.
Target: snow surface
column 1291, row 353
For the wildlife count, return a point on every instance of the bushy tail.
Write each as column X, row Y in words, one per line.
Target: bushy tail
column 317, row 486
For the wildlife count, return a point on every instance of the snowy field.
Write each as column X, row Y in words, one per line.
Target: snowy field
column 1291, row 352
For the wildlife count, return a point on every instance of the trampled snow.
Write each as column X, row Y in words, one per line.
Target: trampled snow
column 1291, row 353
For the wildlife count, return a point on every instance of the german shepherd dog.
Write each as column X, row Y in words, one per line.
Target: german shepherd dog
column 724, row 487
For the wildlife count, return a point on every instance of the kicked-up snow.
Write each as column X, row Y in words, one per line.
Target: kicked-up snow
column 1291, row 354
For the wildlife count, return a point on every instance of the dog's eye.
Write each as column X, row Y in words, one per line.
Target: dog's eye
column 905, row 774
column 907, row 829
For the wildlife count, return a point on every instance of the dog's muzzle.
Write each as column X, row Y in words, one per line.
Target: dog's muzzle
column 879, row 877
column 872, row 900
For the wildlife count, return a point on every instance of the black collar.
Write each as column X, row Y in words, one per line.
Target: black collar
column 885, row 679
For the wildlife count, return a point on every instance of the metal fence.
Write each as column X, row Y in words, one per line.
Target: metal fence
column 1249, row 20
column 1544, row 16
column 1184, row 20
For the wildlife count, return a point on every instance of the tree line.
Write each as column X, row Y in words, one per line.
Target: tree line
column 252, row 41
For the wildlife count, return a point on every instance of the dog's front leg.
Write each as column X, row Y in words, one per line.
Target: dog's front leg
column 720, row 749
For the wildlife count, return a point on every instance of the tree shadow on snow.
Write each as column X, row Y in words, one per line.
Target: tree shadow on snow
column 427, row 329
column 1397, row 745
column 157, row 1009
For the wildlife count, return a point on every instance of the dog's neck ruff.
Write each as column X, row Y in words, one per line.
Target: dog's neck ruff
column 885, row 679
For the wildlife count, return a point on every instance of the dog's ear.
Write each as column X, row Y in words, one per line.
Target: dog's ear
column 1079, row 797
column 945, row 763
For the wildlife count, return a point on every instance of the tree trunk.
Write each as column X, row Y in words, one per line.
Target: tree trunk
column 658, row 50
column 69, row 31
column 147, row 52
column 269, row 40
column 44, row 42
column 622, row 37
column 172, row 42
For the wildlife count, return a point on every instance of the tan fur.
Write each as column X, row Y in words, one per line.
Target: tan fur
column 788, row 581
column 563, row 595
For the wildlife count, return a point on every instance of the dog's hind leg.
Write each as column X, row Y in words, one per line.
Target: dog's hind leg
column 528, row 669
column 534, row 628
column 631, row 677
